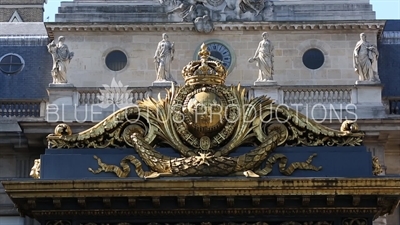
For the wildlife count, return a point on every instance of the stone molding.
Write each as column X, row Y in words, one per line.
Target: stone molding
column 384, row 186
column 240, row 26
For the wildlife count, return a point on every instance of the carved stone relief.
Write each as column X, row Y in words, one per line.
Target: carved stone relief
column 355, row 221
column 203, row 12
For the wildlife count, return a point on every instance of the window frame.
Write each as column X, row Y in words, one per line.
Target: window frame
column 9, row 73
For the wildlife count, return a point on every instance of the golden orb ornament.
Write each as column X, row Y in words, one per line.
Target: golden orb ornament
column 206, row 111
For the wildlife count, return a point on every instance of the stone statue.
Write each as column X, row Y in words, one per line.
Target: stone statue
column 364, row 57
column 163, row 58
column 61, row 59
column 203, row 13
column 264, row 56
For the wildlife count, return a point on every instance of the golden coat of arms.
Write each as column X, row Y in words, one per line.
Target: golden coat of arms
column 205, row 122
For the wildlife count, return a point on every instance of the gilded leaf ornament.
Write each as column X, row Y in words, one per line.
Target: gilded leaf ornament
column 205, row 121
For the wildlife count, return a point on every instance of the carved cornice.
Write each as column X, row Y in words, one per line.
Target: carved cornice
column 218, row 26
column 203, row 187
column 197, row 212
column 237, row 197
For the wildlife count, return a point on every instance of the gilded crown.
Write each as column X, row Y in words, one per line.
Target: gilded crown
column 204, row 71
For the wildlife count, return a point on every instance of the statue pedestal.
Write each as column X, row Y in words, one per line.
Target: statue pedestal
column 165, row 84
column 367, row 97
column 370, row 93
column 63, row 98
column 159, row 88
column 265, row 83
column 62, row 94
column 61, row 85
column 367, row 82
column 268, row 88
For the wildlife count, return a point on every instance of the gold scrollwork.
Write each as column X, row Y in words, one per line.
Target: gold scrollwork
column 376, row 166
column 318, row 223
column 291, row 223
column 355, row 221
column 257, row 223
column 307, row 223
column 35, row 171
column 59, row 222
column 204, row 164
column 205, row 121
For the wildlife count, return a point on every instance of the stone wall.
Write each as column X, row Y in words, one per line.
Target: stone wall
column 88, row 69
column 274, row 10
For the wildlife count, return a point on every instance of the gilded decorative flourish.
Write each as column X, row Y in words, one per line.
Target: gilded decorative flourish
column 205, row 121
column 258, row 223
column 62, row 129
column 355, row 221
column 349, row 126
column 107, row 133
column 204, row 164
column 307, row 223
column 59, row 222
column 376, row 166
column 35, row 171
column 291, row 223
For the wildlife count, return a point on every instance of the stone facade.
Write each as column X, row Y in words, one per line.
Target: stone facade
column 28, row 10
column 88, row 68
column 156, row 11
column 22, row 136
